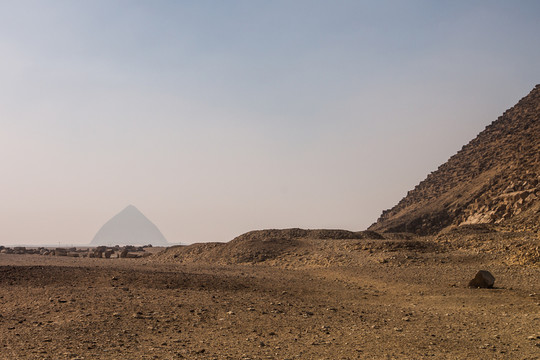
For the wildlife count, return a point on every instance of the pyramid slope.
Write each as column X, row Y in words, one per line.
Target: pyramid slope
column 129, row 227
column 494, row 179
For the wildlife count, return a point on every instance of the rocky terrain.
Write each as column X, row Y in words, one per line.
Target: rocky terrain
column 399, row 297
column 494, row 179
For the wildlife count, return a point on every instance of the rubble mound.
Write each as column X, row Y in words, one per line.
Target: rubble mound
column 295, row 233
column 199, row 252
column 494, row 179
column 262, row 245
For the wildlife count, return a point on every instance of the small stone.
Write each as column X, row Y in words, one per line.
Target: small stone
column 483, row 279
column 138, row 315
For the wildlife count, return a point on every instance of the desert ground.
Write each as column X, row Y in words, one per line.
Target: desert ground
column 316, row 299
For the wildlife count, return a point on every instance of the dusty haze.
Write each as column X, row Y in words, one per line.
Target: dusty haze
column 215, row 119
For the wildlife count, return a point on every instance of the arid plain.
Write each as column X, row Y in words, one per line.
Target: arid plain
column 277, row 295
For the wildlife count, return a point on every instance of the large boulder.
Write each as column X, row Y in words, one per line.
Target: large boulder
column 483, row 279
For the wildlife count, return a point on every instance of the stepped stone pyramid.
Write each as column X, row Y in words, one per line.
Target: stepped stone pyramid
column 494, row 179
column 129, row 227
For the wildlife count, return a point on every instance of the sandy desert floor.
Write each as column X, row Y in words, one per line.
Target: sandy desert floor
column 402, row 305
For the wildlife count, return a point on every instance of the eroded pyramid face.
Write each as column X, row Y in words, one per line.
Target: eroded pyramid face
column 492, row 180
column 129, row 227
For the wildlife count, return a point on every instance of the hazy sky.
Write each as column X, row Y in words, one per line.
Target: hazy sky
column 216, row 117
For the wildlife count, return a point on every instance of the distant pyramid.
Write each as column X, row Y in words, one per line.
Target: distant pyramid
column 129, row 227
column 494, row 179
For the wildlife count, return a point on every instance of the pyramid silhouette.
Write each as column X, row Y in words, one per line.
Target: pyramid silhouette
column 494, row 179
column 129, row 227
